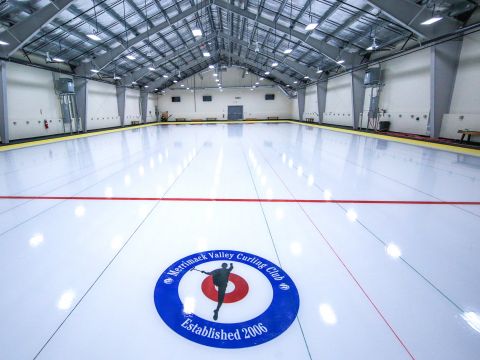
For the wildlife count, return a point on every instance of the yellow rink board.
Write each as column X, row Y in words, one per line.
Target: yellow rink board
column 426, row 144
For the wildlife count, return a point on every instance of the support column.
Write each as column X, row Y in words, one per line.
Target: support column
column 143, row 105
column 81, row 99
column 301, row 103
column 443, row 72
column 4, row 135
column 321, row 98
column 121, row 101
column 358, row 96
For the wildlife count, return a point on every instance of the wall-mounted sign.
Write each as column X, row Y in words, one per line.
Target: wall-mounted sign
column 226, row 299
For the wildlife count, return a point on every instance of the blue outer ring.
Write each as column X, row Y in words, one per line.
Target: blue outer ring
column 277, row 318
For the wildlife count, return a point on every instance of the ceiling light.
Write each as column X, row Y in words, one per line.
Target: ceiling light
column 206, row 54
column 94, row 37
column 274, row 64
column 131, row 57
column 151, row 68
column 56, row 59
column 134, row 82
column 215, row 74
column 165, row 76
column 267, row 72
column 246, row 73
column 432, row 20
column 146, row 86
column 257, row 83
column 216, row 80
column 211, row 66
column 175, row 81
column 295, row 82
column 182, row 85
column 340, row 62
column 197, row 32
column 306, row 77
column 3, row 43
column 94, row 70
column 287, row 51
column 116, row 77
column 188, row 88
column 261, row 79
column 311, row 26
column 156, row 89
column 319, row 71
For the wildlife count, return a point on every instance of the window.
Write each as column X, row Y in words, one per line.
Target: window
column 175, row 98
column 269, row 96
column 207, row 98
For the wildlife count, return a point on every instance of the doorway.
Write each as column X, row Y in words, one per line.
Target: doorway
column 235, row 112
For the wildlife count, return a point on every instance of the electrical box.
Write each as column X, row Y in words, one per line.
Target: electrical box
column 372, row 77
column 64, row 86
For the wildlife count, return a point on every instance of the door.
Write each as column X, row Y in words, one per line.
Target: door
column 235, row 112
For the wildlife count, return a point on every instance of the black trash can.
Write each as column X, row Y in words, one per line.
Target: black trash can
column 383, row 125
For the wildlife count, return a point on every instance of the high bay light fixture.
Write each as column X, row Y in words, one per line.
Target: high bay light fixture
column 94, row 37
column 312, row 24
column 432, row 20
column 436, row 17
column 197, row 32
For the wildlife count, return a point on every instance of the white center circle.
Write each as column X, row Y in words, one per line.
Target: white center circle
column 258, row 299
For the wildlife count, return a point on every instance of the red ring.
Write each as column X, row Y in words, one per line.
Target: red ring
column 241, row 289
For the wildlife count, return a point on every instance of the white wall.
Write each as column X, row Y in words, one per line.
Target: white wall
column 406, row 94
column 254, row 103
column 338, row 108
column 311, row 103
column 102, row 106
column 152, row 102
column 132, row 106
column 31, row 100
column 465, row 108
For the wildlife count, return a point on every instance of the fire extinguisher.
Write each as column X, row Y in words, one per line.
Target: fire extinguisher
column 45, row 123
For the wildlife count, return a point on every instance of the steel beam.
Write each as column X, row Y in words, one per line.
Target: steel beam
column 301, row 102
column 121, row 101
column 139, row 73
column 81, row 99
column 105, row 59
column 24, row 30
column 276, row 74
column 4, row 134
column 443, row 72
column 410, row 15
column 160, row 82
column 358, row 95
column 327, row 50
column 322, row 98
column 294, row 65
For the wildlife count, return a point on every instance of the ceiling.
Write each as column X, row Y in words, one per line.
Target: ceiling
column 150, row 42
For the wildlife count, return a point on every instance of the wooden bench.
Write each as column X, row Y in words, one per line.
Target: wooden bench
column 272, row 118
column 211, row 119
column 469, row 133
column 135, row 122
column 180, row 119
column 197, row 120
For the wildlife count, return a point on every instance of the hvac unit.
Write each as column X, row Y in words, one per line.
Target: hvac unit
column 64, row 86
column 372, row 77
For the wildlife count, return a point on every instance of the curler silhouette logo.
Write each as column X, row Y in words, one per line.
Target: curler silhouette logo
column 226, row 299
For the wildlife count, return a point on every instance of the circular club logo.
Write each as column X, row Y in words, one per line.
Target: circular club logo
column 226, row 299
